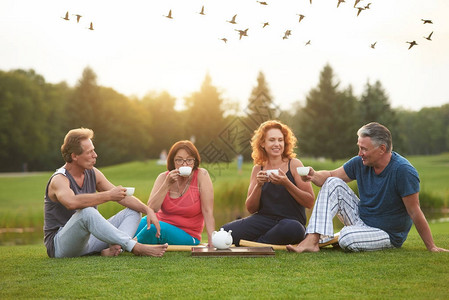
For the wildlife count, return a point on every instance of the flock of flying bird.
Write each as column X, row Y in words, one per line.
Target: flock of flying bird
column 287, row 33
column 78, row 17
column 429, row 37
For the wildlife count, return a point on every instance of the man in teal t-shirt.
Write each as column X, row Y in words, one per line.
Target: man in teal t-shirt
column 389, row 199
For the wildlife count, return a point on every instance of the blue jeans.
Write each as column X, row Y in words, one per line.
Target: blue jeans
column 264, row 229
column 170, row 234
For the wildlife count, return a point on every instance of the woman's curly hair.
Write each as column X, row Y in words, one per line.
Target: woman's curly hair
column 259, row 154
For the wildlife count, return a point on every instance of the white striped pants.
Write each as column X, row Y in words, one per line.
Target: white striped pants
column 337, row 198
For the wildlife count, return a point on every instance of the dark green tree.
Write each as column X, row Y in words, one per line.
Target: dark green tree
column 204, row 119
column 375, row 107
column 122, row 129
column 166, row 124
column 430, row 128
column 261, row 106
column 27, row 107
column 327, row 123
column 426, row 131
column 405, row 128
column 84, row 105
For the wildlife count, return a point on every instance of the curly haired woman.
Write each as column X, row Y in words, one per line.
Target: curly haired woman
column 276, row 200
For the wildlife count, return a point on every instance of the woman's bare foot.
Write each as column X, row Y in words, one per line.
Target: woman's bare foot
column 113, row 250
column 309, row 244
column 149, row 250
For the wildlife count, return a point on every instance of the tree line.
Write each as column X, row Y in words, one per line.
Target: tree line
column 35, row 116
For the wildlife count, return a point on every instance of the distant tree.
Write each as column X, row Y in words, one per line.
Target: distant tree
column 26, row 104
column 205, row 118
column 430, row 127
column 445, row 116
column 84, row 106
column 122, row 128
column 327, row 123
column 261, row 106
column 405, row 128
column 56, row 99
column 375, row 107
column 425, row 131
column 166, row 125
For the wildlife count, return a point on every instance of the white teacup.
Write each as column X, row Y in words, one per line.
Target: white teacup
column 274, row 171
column 129, row 191
column 185, row 171
column 303, row 171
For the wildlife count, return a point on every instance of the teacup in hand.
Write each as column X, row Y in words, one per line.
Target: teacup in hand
column 129, row 191
column 185, row 171
column 273, row 171
column 303, row 171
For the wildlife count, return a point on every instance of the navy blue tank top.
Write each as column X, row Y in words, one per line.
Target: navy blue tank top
column 276, row 202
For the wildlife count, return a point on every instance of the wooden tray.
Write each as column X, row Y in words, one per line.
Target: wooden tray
column 256, row 244
column 234, row 251
column 186, row 248
column 333, row 242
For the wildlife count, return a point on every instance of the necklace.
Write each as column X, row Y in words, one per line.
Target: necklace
column 185, row 188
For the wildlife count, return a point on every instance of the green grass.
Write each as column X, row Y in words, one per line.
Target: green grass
column 407, row 273
column 21, row 198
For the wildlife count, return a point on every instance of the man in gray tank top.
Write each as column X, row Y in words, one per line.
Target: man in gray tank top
column 73, row 226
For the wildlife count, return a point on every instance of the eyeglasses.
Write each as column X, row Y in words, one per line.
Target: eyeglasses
column 188, row 161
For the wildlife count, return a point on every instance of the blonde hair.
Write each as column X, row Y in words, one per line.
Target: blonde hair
column 72, row 142
column 259, row 154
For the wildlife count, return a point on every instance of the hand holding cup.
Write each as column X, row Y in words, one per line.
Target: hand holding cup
column 129, row 191
column 303, row 171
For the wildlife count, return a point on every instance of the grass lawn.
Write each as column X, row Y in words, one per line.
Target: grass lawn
column 407, row 273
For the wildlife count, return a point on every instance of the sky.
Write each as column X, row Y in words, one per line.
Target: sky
column 135, row 49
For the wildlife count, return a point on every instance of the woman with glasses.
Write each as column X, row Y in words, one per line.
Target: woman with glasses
column 183, row 203
column 277, row 196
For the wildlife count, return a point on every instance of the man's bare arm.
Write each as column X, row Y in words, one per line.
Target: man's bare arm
column 319, row 177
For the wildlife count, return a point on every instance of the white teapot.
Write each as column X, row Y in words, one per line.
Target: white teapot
column 222, row 239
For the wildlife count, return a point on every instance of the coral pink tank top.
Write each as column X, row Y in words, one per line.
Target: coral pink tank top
column 184, row 212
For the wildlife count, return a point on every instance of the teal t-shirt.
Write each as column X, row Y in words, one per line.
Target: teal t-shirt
column 381, row 204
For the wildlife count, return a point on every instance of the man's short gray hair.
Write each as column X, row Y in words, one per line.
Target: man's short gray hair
column 379, row 134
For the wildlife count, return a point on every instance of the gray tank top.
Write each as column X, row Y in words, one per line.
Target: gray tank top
column 57, row 215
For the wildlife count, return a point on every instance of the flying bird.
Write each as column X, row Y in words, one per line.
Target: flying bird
column 356, row 2
column 360, row 9
column 66, row 16
column 265, row 24
column 367, row 6
column 169, row 15
column 287, row 34
column 263, row 2
column 233, row 20
column 78, row 17
column 224, row 40
column 91, row 26
column 427, row 21
column 373, row 45
column 301, row 17
column 340, row 1
column 429, row 37
column 411, row 44
column 242, row 32
column 202, row 11
column 308, row 43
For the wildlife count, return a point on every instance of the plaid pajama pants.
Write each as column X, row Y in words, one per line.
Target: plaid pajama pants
column 337, row 198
